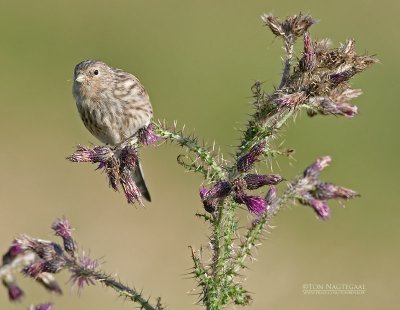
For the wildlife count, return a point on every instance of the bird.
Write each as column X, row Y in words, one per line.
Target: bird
column 113, row 106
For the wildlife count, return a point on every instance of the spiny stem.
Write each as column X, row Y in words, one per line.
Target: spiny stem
column 121, row 289
column 254, row 233
column 216, row 169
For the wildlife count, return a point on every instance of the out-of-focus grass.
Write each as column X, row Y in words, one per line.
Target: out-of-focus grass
column 198, row 60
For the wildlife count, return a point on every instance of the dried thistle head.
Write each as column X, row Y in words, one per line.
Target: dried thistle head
column 295, row 25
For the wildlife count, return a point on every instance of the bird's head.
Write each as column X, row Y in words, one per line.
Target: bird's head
column 91, row 77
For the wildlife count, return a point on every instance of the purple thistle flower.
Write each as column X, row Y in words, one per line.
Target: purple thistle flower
column 14, row 250
column 309, row 60
column 327, row 106
column 313, row 171
column 147, row 135
column 219, row 191
column 129, row 157
column 26, row 242
column 209, row 205
column 34, row 269
column 341, row 76
column 81, row 274
column 271, row 195
column 202, row 192
column 325, row 191
column 132, row 192
column 54, row 265
column 254, row 181
column 95, row 155
column 274, row 24
column 14, row 292
column 112, row 171
column 320, row 207
column 47, row 250
column 254, row 204
column 246, row 162
column 63, row 229
column 47, row 306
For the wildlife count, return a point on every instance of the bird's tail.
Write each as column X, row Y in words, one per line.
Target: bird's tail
column 138, row 177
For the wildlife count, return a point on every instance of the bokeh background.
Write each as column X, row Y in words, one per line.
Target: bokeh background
column 198, row 60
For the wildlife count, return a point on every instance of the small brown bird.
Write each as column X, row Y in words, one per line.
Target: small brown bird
column 113, row 105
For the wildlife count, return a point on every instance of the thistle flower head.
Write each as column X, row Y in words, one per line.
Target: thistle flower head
column 63, row 229
column 319, row 206
column 112, row 168
column 147, row 136
column 246, row 162
column 274, row 24
column 82, row 274
column 97, row 154
column 47, row 250
column 254, row 204
column 54, row 265
column 254, row 181
column 41, row 307
column 128, row 158
column 210, row 197
column 15, row 293
column 34, row 269
column 309, row 60
column 220, row 190
column 131, row 190
column 118, row 163
column 313, row 171
column 325, row 191
column 326, row 106
column 271, row 195
column 13, row 251
column 297, row 25
column 209, row 204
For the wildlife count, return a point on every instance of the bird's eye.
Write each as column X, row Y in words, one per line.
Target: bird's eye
column 96, row 72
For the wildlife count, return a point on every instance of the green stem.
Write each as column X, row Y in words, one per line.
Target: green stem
column 217, row 172
column 254, row 233
column 121, row 289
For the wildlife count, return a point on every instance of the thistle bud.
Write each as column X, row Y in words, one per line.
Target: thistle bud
column 63, row 229
column 246, row 162
column 309, row 60
column 254, row 181
column 95, row 155
column 15, row 293
column 132, row 192
column 271, row 195
column 147, row 135
column 209, row 197
column 14, row 250
column 320, row 207
column 254, row 204
column 325, row 191
column 313, row 171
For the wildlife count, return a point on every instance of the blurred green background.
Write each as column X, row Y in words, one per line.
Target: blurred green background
column 198, row 60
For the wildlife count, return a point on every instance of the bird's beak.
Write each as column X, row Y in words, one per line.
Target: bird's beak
column 80, row 78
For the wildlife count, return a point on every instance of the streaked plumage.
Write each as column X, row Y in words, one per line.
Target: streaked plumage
column 113, row 105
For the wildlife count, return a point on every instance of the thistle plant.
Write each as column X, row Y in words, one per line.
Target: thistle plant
column 315, row 79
